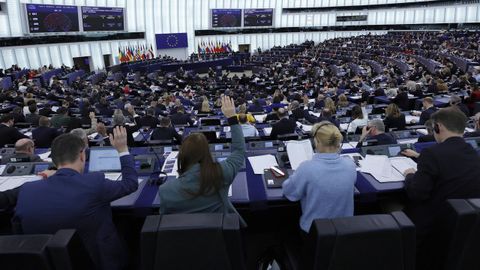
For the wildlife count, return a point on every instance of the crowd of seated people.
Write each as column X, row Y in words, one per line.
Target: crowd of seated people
column 334, row 86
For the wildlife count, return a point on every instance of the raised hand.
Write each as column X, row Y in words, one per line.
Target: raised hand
column 119, row 139
column 228, row 107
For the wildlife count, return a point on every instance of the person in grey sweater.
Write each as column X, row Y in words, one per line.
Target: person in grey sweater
column 202, row 185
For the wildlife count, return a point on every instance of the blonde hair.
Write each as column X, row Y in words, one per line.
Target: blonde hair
column 342, row 101
column 329, row 104
column 205, row 105
column 327, row 134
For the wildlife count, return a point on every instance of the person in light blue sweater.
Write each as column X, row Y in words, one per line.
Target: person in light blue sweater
column 324, row 185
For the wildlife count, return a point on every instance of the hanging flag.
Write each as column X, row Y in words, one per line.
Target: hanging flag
column 171, row 41
column 152, row 55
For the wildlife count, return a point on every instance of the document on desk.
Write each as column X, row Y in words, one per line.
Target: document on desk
column 305, row 128
column 298, row 152
column 401, row 164
column 412, row 119
column 267, row 131
column 11, row 182
column 170, row 166
column 422, row 131
column 344, row 126
column 259, row 117
column 113, row 176
column 92, row 136
column 380, row 167
column 259, row 163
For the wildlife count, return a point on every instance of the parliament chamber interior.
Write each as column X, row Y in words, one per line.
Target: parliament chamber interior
column 247, row 134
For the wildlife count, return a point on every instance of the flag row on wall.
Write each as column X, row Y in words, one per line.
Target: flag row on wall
column 208, row 47
column 135, row 53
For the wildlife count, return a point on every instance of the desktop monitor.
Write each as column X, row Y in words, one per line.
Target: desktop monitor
column 104, row 159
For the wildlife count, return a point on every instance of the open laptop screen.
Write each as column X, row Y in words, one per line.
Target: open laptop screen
column 104, row 160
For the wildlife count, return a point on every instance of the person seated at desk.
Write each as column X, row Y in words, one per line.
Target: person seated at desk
column 284, row 126
column 447, row 170
column 72, row 199
column 325, row 184
column 103, row 107
column 61, row 119
column 374, row 132
column 401, row 99
column 46, row 110
column 202, row 184
column 118, row 120
column 33, row 116
column 149, row 120
column 394, row 119
column 242, row 109
column 429, row 136
column 44, row 134
column 256, row 107
column 166, row 132
column 180, row 118
column 474, row 97
column 359, row 119
column 342, row 102
column 248, row 129
column 326, row 115
column 476, row 132
column 456, row 102
column 205, row 108
column 8, row 133
column 18, row 116
column 24, row 152
column 427, row 110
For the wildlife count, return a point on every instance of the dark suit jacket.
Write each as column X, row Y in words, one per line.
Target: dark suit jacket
column 44, row 136
column 163, row 133
column 148, row 121
column 395, row 122
column 82, row 202
column 282, row 127
column 425, row 115
column 426, row 138
column 402, row 100
column 447, row 170
column 181, row 119
column 9, row 135
column 380, row 139
column 32, row 118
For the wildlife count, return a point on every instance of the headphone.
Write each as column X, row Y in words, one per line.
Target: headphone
column 320, row 126
column 436, row 128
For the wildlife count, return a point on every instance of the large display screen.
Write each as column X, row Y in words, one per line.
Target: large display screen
column 226, row 18
column 52, row 18
column 102, row 19
column 258, row 17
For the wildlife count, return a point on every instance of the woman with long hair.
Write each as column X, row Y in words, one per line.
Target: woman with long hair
column 394, row 118
column 202, row 184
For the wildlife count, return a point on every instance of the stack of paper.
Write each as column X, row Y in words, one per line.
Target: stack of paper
column 267, row 131
column 412, row 119
column 259, row 117
column 401, row 164
column 170, row 166
column 259, row 163
column 11, row 182
column 379, row 166
column 298, row 152
column 305, row 128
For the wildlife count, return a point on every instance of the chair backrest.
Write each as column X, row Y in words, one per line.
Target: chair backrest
column 444, row 246
column 26, row 252
column 63, row 250
column 363, row 242
column 192, row 241
column 470, row 255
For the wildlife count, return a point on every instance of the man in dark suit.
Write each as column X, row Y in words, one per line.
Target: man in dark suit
column 402, row 99
column 447, row 170
column 71, row 199
column 24, row 152
column 180, row 118
column 9, row 134
column 166, row 132
column 149, row 120
column 374, row 134
column 428, row 110
column 44, row 134
column 284, row 125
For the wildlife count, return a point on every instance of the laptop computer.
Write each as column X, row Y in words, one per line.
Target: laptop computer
column 106, row 160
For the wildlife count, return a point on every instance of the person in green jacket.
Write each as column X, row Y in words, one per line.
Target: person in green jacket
column 202, row 185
